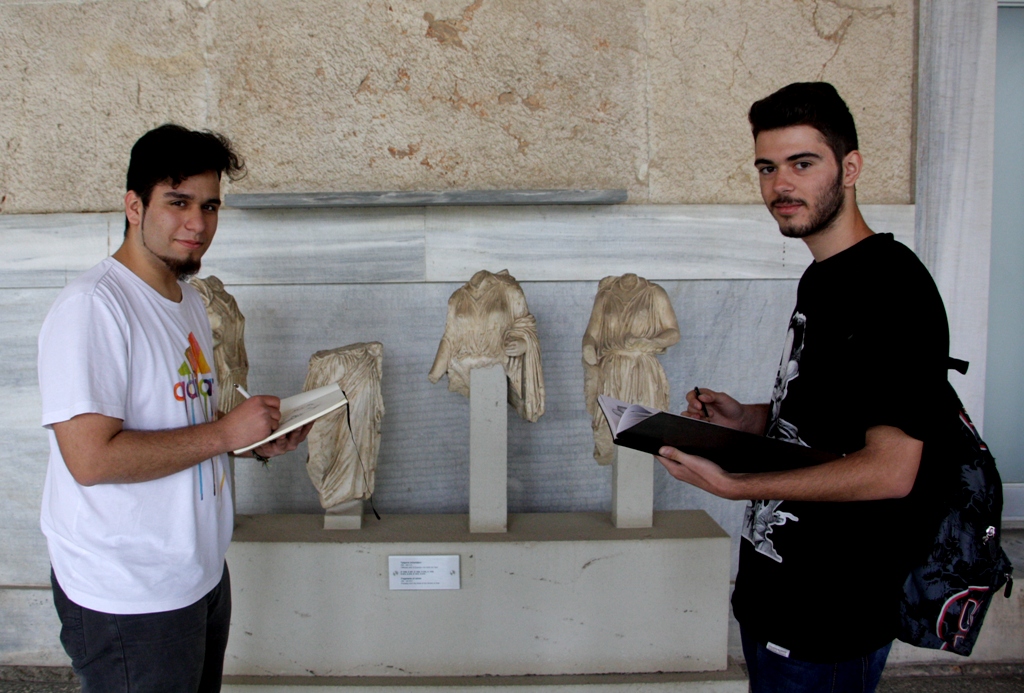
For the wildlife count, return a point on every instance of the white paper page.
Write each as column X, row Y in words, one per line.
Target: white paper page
column 622, row 415
column 302, row 408
column 290, row 403
column 634, row 415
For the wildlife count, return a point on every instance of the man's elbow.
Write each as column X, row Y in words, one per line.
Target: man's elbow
column 897, row 459
column 83, row 472
column 84, row 443
column 901, row 486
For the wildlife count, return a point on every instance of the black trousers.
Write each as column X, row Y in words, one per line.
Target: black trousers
column 180, row 651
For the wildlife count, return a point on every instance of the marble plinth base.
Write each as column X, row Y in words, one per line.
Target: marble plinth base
column 632, row 488
column 488, row 450
column 347, row 515
column 560, row 593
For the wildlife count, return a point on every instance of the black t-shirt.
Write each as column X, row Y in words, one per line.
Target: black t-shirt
column 868, row 345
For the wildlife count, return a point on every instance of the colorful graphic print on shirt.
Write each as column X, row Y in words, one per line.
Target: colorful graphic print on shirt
column 194, row 390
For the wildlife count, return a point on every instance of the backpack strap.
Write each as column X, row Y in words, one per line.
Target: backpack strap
column 958, row 365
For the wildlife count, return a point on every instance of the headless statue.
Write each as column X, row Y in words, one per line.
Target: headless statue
column 488, row 324
column 228, row 325
column 632, row 321
column 341, row 468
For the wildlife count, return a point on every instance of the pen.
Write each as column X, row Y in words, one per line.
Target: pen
column 261, row 458
column 696, row 391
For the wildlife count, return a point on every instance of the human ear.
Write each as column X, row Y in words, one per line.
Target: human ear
column 852, row 166
column 133, row 208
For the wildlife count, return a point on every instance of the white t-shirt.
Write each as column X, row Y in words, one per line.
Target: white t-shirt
column 112, row 345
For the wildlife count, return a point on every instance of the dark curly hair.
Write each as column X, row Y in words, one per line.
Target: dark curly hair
column 173, row 153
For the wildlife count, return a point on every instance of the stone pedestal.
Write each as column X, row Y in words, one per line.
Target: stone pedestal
column 488, row 450
column 632, row 488
column 558, row 593
column 347, row 515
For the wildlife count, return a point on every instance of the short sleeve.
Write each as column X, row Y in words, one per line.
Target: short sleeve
column 83, row 359
column 906, row 355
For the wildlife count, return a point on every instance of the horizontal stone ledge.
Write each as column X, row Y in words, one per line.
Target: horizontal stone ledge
column 416, row 198
column 731, row 679
column 449, row 528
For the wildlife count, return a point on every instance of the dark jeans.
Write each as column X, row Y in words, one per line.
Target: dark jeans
column 180, row 651
column 773, row 673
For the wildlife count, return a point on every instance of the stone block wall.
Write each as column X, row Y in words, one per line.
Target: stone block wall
column 320, row 95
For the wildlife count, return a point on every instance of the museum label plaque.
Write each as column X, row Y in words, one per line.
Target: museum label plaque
column 423, row 572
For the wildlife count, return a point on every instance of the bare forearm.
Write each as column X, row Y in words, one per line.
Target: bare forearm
column 885, row 468
column 853, row 478
column 97, row 450
column 134, row 456
column 755, row 417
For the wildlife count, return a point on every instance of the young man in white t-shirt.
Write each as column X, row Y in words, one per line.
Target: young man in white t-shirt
column 137, row 505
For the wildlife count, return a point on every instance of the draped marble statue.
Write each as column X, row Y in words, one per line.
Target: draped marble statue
column 228, row 325
column 632, row 321
column 343, row 469
column 488, row 324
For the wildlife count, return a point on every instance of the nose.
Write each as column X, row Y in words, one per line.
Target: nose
column 196, row 220
column 783, row 182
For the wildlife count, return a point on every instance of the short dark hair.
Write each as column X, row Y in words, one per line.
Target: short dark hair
column 817, row 104
column 173, row 153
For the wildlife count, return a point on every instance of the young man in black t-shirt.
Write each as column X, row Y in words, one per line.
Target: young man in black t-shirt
column 823, row 561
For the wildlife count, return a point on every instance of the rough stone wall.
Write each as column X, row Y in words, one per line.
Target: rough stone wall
column 647, row 95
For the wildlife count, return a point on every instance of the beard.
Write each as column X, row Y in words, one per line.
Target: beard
column 827, row 207
column 181, row 269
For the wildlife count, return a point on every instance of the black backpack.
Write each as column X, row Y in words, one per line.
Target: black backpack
column 946, row 595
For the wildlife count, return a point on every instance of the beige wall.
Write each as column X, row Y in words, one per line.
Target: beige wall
column 647, row 95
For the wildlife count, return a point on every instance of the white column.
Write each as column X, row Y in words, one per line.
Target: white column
column 488, row 450
column 955, row 136
column 632, row 489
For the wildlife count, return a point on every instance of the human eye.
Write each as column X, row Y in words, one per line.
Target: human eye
column 802, row 165
column 210, row 208
column 766, row 170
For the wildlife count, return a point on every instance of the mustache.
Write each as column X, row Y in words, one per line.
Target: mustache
column 787, row 201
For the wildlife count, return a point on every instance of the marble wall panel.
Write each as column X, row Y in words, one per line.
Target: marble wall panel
column 731, row 339
column 709, row 60
column 23, row 446
column 588, row 243
column 358, row 276
column 405, row 95
column 30, row 629
column 577, row 243
column 79, row 83
column 49, row 249
column 318, row 247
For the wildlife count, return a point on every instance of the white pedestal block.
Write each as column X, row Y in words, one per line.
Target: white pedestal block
column 632, row 488
column 347, row 515
column 560, row 593
column 488, row 450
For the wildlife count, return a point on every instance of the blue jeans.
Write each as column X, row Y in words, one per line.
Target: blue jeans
column 773, row 673
column 180, row 651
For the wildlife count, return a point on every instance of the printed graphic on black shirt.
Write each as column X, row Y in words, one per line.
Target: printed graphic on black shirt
column 760, row 520
column 761, row 517
column 789, row 370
